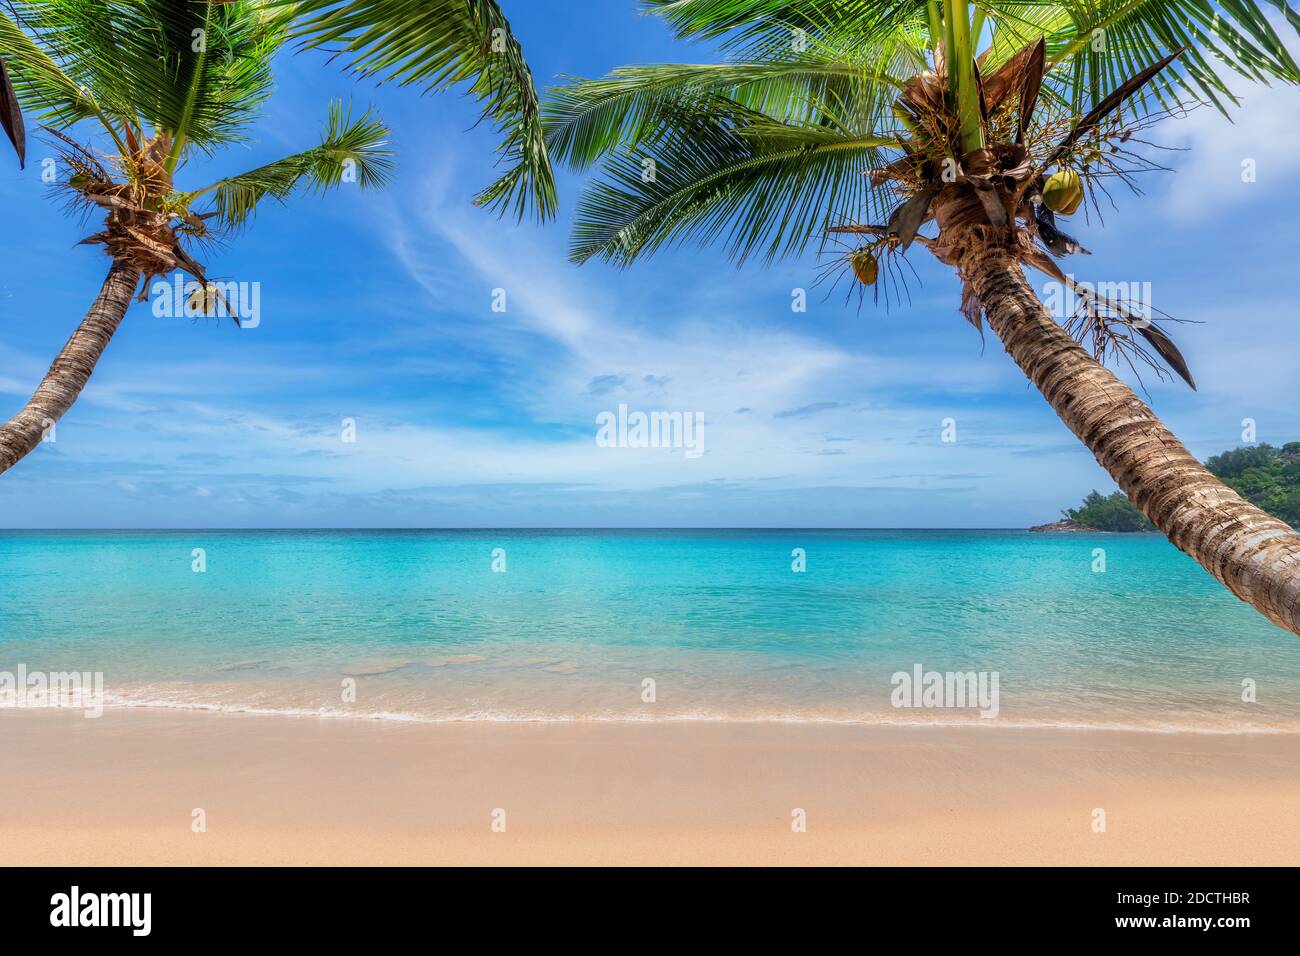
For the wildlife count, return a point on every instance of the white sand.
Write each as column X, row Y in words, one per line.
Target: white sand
column 122, row 789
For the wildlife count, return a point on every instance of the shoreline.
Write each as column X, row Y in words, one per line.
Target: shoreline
column 123, row 789
column 707, row 719
column 761, row 719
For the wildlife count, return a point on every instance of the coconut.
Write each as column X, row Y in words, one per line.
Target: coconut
column 203, row 299
column 1063, row 192
column 864, row 265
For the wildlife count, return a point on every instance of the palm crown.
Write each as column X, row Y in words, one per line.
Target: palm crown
column 770, row 144
column 123, row 61
column 876, row 117
column 157, row 82
column 164, row 81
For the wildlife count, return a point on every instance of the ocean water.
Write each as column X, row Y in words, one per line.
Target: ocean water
column 421, row 626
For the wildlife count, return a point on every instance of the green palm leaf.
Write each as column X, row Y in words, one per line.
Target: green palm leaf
column 45, row 91
column 1234, row 37
column 585, row 118
column 199, row 71
column 766, row 186
column 351, row 150
column 782, row 145
column 436, row 44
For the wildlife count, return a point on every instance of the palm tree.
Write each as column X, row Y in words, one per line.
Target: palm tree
column 160, row 82
column 870, row 119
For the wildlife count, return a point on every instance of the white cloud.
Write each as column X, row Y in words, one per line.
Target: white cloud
column 708, row 363
column 1209, row 177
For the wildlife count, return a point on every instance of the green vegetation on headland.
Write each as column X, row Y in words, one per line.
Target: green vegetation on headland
column 1267, row 477
column 1108, row 513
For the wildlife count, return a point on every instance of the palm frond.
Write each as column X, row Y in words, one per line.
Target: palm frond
column 766, row 151
column 1093, row 46
column 47, row 93
column 768, row 187
column 587, row 118
column 197, row 70
column 11, row 116
column 437, row 44
column 350, row 150
column 761, row 27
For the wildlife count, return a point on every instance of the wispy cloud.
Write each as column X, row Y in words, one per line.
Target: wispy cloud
column 804, row 410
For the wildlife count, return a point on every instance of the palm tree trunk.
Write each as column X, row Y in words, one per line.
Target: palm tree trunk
column 71, row 369
column 1255, row 555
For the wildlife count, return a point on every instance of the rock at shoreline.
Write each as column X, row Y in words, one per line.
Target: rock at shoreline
column 1065, row 524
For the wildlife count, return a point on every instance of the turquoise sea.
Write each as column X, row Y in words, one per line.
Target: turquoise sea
column 422, row 627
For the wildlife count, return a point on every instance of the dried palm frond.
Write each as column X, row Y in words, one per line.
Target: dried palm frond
column 11, row 116
column 1117, row 329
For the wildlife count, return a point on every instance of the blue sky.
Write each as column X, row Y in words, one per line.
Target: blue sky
column 376, row 307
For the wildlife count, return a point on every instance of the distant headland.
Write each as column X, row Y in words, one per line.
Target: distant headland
column 1267, row 477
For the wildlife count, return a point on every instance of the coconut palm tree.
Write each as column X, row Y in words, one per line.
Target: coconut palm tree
column 161, row 82
column 158, row 84
column 877, row 119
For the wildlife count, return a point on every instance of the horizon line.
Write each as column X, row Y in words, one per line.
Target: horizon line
column 547, row 528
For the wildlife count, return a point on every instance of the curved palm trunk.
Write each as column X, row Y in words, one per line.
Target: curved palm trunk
column 1254, row 554
column 71, row 369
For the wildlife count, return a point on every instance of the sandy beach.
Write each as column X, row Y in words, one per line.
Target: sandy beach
column 124, row 789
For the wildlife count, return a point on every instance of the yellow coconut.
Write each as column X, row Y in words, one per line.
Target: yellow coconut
column 203, row 299
column 1063, row 192
column 864, row 265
